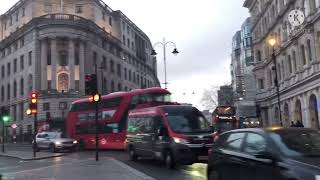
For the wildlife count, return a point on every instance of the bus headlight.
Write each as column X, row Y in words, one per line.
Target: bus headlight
column 180, row 140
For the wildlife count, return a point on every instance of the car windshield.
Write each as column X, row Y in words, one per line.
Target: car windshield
column 57, row 135
column 298, row 143
column 188, row 122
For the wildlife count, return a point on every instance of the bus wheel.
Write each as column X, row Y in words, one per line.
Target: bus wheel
column 132, row 154
column 169, row 160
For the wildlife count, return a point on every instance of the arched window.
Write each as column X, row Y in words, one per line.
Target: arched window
column 2, row 93
column 303, row 55
column 63, row 82
column 294, row 59
column 63, row 58
column 8, row 91
column 258, row 56
column 119, row 87
column 14, row 88
column 289, row 64
column 21, row 87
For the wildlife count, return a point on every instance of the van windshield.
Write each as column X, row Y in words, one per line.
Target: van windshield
column 188, row 121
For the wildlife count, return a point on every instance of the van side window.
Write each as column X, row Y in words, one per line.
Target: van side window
column 158, row 122
column 140, row 125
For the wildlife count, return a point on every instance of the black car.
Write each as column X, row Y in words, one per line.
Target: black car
column 266, row 154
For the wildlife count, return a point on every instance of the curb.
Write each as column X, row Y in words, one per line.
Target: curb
column 31, row 159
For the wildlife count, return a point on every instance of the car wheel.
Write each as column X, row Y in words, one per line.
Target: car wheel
column 132, row 154
column 169, row 160
column 214, row 175
column 52, row 148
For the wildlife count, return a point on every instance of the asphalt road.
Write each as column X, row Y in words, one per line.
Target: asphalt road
column 149, row 167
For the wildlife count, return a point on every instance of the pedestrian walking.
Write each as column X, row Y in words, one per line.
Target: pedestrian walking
column 292, row 124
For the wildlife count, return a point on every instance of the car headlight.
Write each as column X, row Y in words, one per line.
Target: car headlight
column 258, row 122
column 180, row 140
column 57, row 143
column 75, row 142
column 252, row 122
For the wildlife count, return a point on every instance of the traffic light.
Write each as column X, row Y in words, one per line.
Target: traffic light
column 91, row 84
column 95, row 98
column 33, row 106
column 5, row 114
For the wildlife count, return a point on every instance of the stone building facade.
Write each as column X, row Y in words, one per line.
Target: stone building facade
column 242, row 64
column 225, row 96
column 48, row 46
column 297, row 60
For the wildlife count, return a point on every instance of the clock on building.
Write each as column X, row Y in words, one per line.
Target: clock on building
column 296, row 17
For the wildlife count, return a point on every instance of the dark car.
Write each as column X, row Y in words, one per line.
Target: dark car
column 174, row 134
column 266, row 154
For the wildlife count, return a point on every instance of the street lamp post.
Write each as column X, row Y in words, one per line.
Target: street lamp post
column 164, row 44
column 272, row 42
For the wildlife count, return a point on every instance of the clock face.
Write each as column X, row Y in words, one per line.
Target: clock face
column 296, row 17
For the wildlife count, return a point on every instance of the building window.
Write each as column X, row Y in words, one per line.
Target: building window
column 14, row 88
column 77, row 85
column 21, row 87
column 30, row 58
column 49, row 85
column 63, row 58
column 258, row 56
column 134, row 76
column 129, row 75
column 309, row 50
column 125, row 73
column 63, row 82
column 303, row 54
column 15, row 65
column 22, row 62
column 119, row 70
column 17, row 16
column 48, row 8
column 2, row 93
column 8, row 91
column 110, row 21
column 290, row 64
column 128, row 42
column 15, row 46
column 79, row 9
column 261, row 84
column 119, row 87
column 112, row 86
column 103, row 16
column 2, row 72
column 8, row 69
column 21, row 42
column 23, row 12
column 294, row 61
column 104, row 63
column 46, row 106
column 30, row 82
column 124, row 39
column 112, row 66
column 10, row 20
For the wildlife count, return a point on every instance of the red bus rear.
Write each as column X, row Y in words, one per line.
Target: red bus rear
column 113, row 112
column 224, row 119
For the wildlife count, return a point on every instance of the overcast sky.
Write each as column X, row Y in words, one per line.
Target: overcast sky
column 202, row 31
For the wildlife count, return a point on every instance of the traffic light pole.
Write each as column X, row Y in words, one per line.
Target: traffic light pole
column 34, row 135
column 3, row 134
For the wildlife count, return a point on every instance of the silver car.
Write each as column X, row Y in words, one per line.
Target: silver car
column 54, row 141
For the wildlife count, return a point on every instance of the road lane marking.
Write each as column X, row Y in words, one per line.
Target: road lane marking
column 132, row 170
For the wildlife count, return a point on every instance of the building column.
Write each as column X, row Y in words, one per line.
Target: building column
column 81, row 65
column 44, row 48
column 71, row 61
column 54, row 59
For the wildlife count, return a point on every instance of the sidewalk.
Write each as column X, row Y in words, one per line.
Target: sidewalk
column 28, row 155
column 106, row 168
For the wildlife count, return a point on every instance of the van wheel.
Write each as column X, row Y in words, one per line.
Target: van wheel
column 132, row 154
column 169, row 160
column 52, row 148
column 214, row 175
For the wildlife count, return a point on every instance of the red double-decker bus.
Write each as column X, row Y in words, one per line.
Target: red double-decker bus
column 224, row 119
column 112, row 118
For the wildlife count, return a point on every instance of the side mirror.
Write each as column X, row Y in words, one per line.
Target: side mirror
column 162, row 131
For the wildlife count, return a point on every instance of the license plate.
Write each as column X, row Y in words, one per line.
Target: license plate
column 202, row 158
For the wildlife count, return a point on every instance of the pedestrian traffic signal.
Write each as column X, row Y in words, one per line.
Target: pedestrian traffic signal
column 33, row 106
column 96, row 97
column 91, row 84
